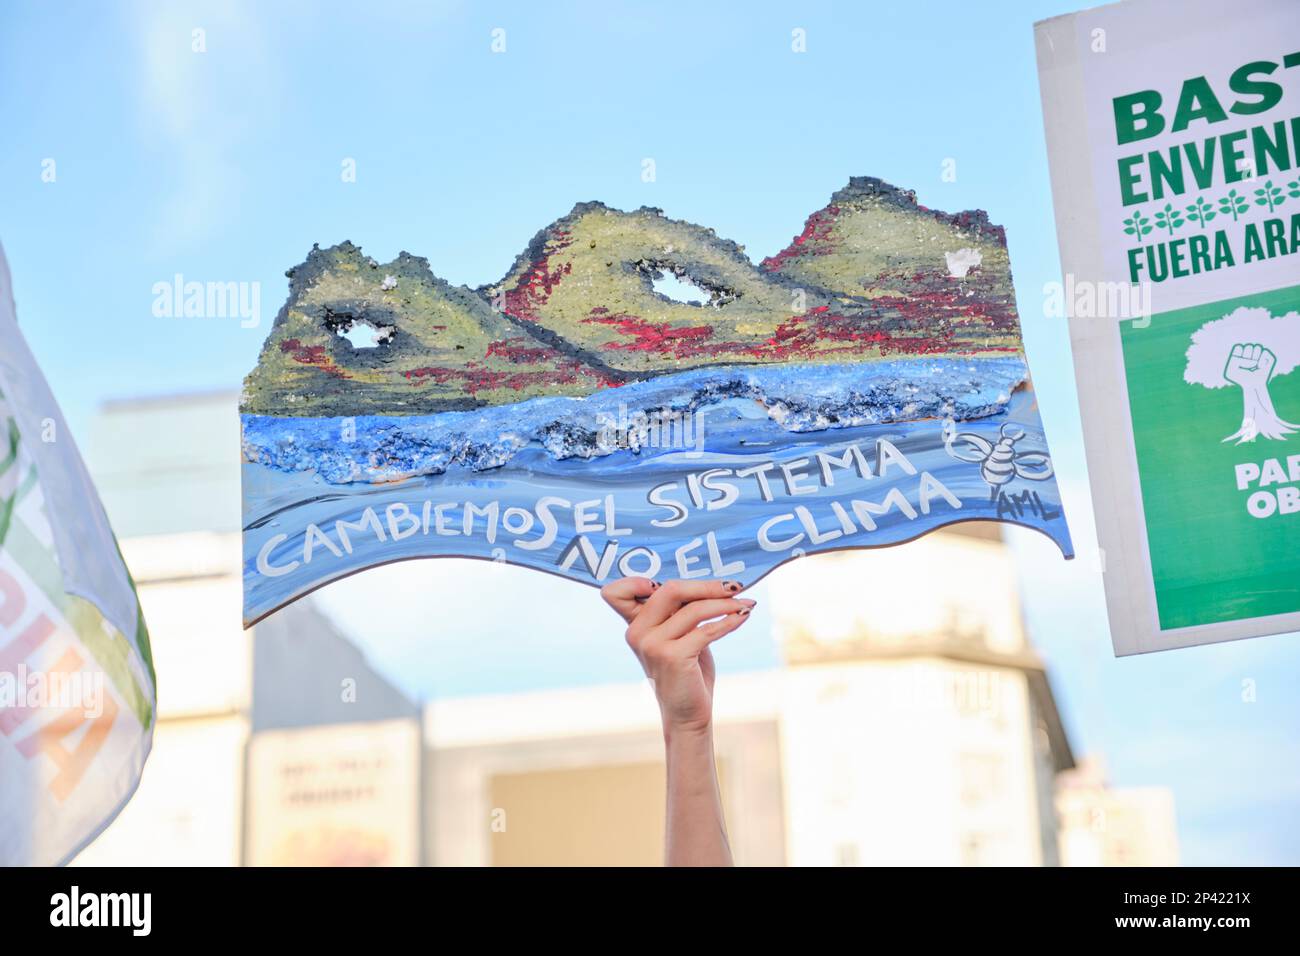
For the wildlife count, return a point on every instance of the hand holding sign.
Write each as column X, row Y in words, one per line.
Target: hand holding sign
column 670, row 634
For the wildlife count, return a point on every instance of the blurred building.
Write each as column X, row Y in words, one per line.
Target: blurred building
column 910, row 720
column 1105, row 826
column 576, row 776
column 911, row 723
column 920, row 726
column 275, row 745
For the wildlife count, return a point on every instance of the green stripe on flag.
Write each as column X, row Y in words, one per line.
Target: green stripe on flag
column 6, row 514
column 13, row 447
column 36, row 559
column 111, row 652
column 7, row 504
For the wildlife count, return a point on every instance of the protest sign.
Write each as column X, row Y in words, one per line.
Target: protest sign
column 859, row 388
column 1173, row 132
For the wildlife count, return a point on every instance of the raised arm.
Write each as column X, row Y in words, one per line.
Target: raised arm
column 670, row 628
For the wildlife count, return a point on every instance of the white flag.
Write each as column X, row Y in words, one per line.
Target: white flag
column 77, row 693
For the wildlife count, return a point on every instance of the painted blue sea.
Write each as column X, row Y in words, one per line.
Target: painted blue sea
column 719, row 472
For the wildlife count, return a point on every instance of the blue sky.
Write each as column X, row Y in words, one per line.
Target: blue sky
column 226, row 165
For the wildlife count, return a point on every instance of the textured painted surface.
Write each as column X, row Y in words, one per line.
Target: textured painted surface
column 859, row 388
column 867, row 278
column 802, row 398
column 443, row 347
column 292, row 519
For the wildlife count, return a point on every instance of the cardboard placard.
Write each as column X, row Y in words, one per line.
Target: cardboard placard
column 859, row 388
column 1173, row 132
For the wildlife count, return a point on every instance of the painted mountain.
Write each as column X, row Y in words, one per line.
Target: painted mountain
column 881, row 321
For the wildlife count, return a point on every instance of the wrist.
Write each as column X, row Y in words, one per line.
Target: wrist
column 683, row 731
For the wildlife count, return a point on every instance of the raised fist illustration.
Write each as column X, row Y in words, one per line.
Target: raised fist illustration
column 1249, row 365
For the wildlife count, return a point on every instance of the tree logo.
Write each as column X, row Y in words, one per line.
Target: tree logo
column 1247, row 348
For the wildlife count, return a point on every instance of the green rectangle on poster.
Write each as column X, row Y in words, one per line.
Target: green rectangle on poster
column 1224, row 545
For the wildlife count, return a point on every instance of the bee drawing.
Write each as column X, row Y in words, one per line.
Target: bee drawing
column 999, row 461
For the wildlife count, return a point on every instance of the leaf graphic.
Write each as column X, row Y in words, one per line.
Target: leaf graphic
column 1271, row 196
column 1169, row 218
column 1233, row 204
column 1137, row 225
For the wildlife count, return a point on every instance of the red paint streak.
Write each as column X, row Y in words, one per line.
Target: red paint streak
column 816, row 231
column 664, row 337
column 315, row 355
column 439, row 373
column 475, row 377
column 818, row 333
column 811, row 336
column 306, row 354
column 513, row 351
column 977, row 222
column 534, row 288
column 928, row 307
column 929, row 297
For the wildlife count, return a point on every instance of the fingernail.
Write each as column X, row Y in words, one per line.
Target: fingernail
column 750, row 601
column 731, row 585
column 744, row 610
column 654, row 584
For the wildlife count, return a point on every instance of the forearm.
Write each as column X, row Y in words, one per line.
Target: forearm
column 696, row 829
